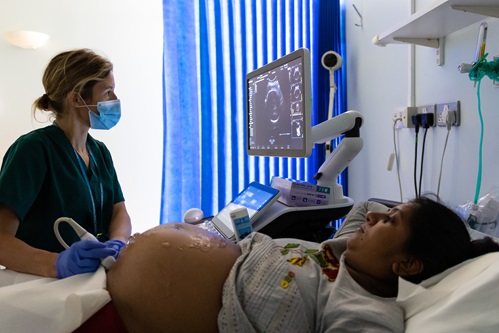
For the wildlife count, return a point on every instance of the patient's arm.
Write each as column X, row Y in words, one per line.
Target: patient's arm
column 170, row 279
column 357, row 216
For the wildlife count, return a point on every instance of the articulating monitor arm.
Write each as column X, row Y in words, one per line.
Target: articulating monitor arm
column 347, row 124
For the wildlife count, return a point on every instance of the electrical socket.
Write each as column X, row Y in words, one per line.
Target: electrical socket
column 404, row 115
column 443, row 110
column 427, row 109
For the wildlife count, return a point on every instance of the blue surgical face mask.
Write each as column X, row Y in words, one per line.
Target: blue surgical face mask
column 110, row 114
column 108, row 117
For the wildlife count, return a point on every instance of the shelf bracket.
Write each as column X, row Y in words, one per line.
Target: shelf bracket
column 482, row 10
column 436, row 43
column 440, row 52
column 429, row 42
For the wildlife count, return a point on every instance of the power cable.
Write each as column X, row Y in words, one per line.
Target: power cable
column 397, row 156
column 422, row 159
column 416, row 128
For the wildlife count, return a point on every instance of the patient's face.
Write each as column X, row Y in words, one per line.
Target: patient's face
column 380, row 242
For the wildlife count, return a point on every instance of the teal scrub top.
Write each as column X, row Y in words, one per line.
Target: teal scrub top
column 42, row 178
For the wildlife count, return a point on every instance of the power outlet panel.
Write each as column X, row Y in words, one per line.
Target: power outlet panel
column 442, row 112
column 403, row 117
column 428, row 109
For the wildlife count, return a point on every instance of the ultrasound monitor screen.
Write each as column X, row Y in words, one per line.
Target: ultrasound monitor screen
column 279, row 107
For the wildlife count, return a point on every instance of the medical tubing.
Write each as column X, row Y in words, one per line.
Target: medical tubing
column 480, row 148
column 485, row 68
column 480, row 69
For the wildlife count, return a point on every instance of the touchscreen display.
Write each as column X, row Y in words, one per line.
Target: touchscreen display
column 253, row 198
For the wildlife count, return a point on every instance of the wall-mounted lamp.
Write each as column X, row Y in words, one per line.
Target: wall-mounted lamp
column 26, row 39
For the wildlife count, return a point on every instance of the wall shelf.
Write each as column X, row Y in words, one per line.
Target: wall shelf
column 427, row 27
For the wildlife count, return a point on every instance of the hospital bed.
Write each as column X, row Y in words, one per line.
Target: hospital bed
column 79, row 303
column 461, row 299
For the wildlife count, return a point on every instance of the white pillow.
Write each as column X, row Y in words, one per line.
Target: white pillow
column 464, row 298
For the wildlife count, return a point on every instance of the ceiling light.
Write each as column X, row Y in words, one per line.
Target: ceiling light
column 26, row 39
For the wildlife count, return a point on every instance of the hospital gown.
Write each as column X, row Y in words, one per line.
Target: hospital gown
column 287, row 285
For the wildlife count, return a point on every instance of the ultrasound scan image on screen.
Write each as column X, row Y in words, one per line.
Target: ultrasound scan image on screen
column 277, row 112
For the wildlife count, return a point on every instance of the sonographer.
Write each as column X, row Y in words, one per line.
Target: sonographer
column 61, row 170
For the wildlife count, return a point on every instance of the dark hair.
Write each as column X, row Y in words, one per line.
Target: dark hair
column 440, row 238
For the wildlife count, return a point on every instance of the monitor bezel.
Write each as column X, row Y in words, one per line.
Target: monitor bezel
column 306, row 150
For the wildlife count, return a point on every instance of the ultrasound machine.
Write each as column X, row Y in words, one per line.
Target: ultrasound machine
column 278, row 123
column 278, row 120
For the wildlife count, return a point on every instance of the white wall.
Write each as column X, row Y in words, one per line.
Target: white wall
column 378, row 84
column 130, row 34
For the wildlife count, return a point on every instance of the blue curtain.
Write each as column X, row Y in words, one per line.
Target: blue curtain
column 209, row 46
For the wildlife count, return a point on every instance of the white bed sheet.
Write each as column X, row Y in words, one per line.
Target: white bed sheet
column 31, row 303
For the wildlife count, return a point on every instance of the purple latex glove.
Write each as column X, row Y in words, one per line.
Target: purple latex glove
column 82, row 257
column 116, row 245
